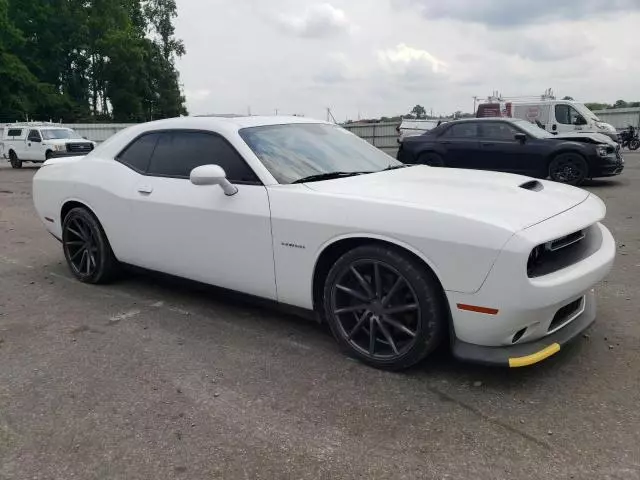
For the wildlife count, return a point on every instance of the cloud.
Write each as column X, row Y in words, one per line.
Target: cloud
column 406, row 59
column 545, row 45
column 338, row 69
column 318, row 21
column 511, row 13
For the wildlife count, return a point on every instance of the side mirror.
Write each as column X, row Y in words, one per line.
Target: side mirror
column 212, row 175
column 521, row 137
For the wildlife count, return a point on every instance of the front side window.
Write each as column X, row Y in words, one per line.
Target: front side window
column 298, row 150
column 177, row 153
column 462, row 130
column 34, row 135
column 138, row 153
column 498, row 131
column 567, row 115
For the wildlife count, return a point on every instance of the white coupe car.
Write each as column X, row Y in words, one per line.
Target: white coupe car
column 397, row 259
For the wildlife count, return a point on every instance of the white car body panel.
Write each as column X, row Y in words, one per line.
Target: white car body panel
column 474, row 229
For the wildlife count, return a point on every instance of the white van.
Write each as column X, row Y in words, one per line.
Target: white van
column 37, row 142
column 555, row 116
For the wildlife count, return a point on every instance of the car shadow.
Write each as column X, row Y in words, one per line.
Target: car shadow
column 253, row 312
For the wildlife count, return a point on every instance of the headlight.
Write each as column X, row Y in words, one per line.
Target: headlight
column 603, row 150
column 60, row 148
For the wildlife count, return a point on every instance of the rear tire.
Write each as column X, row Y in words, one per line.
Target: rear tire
column 86, row 248
column 14, row 160
column 432, row 159
column 384, row 308
column 569, row 168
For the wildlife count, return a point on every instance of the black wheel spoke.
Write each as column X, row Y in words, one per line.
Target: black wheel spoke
column 352, row 308
column 75, row 242
column 401, row 309
column 363, row 282
column 75, row 232
column 358, row 326
column 377, row 280
column 388, row 337
column 353, row 293
column 75, row 255
column 372, row 336
column 392, row 292
column 399, row 326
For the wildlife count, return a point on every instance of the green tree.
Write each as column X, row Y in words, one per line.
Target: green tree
column 419, row 111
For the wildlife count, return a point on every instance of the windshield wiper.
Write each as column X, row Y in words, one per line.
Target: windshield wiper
column 327, row 176
column 395, row 167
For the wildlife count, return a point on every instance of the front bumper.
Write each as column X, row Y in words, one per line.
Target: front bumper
column 525, row 354
column 518, row 315
column 62, row 154
column 608, row 166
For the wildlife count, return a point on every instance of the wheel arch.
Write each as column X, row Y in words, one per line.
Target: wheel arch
column 563, row 151
column 70, row 204
column 335, row 248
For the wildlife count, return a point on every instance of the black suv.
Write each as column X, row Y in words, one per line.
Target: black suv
column 515, row 146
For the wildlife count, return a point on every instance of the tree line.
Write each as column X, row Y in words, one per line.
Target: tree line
column 89, row 60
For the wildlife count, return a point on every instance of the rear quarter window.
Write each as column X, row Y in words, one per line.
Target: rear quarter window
column 14, row 132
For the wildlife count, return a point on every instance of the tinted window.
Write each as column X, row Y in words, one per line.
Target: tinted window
column 137, row 154
column 177, row 153
column 14, row 132
column 567, row 115
column 462, row 130
column 498, row 131
column 34, row 134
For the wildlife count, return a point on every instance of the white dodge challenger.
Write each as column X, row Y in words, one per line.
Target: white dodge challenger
column 396, row 259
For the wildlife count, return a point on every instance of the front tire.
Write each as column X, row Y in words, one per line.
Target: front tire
column 634, row 144
column 14, row 160
column 569, row 168
column 48, row 155
column 384, row 307
column 86, row 248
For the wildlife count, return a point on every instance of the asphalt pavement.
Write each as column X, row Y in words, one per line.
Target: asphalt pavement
column 155, row 378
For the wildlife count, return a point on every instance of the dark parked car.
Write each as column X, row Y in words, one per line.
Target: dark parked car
column 515, row 146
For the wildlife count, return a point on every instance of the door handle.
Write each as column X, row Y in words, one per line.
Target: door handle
column 488, row 144
column 145, row 189
column 446, row 143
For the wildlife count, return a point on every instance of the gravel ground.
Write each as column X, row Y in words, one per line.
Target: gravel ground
column 154, row 378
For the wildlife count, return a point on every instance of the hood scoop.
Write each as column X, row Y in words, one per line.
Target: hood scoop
column 533, row 185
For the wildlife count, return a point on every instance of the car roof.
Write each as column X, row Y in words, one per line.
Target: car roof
column 486, row 119
column 228, row 122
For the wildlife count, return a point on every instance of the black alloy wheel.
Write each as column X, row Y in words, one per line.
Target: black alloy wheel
column 568, row 168
column 383, row 307
column 86, row 248
column 14, row 160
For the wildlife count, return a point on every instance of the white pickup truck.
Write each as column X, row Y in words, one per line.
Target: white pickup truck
column 35, row 142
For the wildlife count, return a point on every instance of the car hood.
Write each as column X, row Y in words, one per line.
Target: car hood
column 511, row 201
column 590, row 137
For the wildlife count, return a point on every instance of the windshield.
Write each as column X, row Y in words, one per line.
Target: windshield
column 533, row 129
column 298, row 150
column 58, row 133
column 585, row 112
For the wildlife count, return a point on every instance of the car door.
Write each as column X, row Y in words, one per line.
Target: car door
column 460, row 144
column 500, row 150
column 567, row 119
column 198, row 232
column 34, row 149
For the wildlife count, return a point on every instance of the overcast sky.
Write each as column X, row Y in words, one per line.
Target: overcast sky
column 381, row 57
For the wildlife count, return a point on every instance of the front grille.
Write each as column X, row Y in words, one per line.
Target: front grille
column 84, row 147
column 566, row 314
